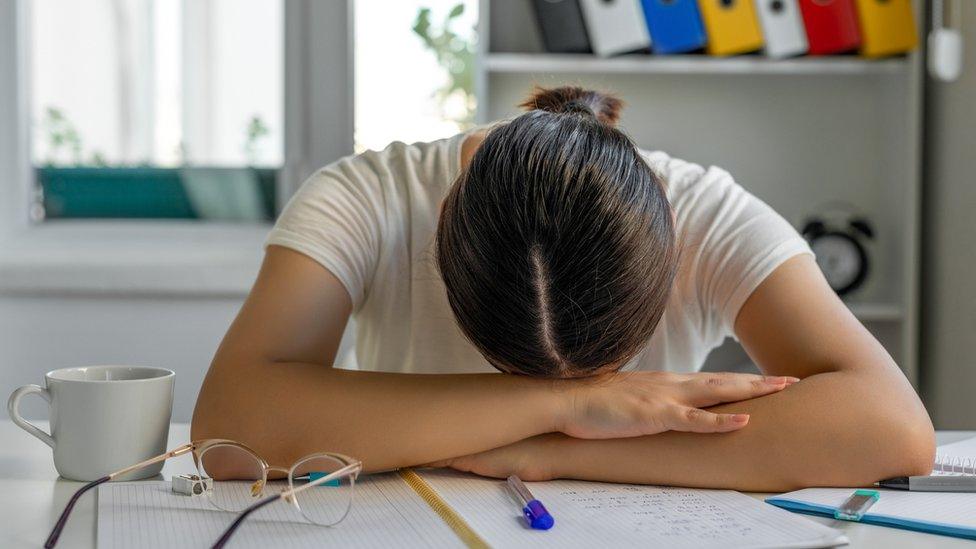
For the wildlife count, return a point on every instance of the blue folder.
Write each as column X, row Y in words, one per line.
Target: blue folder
column 928, row 527
column 675, row 25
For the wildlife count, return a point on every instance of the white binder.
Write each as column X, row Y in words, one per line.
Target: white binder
column 782, row 27
column 615, row 26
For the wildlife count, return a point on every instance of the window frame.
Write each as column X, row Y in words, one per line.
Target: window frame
column 152, row 257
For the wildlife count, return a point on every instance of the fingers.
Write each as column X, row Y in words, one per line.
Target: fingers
column 693, row 420
column 703, row 390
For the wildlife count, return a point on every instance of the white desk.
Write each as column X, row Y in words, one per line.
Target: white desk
column 32, row 496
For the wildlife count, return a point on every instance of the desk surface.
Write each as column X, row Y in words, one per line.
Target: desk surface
column 32, row 495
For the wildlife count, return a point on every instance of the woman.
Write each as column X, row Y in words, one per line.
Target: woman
column 596, row 277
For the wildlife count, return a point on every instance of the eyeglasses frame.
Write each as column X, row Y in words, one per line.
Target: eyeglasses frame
column 352, row 468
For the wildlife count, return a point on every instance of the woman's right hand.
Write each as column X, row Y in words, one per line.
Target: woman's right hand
column 634, row 404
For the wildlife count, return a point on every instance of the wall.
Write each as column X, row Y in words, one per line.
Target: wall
column 948, row 362
column 38, row 334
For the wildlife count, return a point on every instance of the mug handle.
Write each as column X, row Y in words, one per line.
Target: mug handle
column 15, row 416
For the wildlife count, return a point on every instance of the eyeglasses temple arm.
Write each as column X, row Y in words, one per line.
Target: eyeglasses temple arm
column 352, row 467
column 225, row 537
column 178, row 451
column 52, row 539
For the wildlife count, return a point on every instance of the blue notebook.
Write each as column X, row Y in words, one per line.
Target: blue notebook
column 945, row 513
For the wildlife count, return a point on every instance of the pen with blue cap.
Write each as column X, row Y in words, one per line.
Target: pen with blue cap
column 535, row 513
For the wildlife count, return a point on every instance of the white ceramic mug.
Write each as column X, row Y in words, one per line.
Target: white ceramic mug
column 103, row 418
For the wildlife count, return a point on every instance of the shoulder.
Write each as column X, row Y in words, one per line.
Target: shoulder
column 730, row 240
column 398, row 159
column 686, row 182
column 390, row 178
column 700, row 197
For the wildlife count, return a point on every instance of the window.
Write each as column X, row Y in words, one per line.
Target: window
column 414, row 70
column 156, row 108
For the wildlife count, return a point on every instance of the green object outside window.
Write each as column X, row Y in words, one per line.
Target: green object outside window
column 225, row 194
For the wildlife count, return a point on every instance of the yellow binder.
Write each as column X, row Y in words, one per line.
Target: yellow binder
column 731, row 25
column 887, row 27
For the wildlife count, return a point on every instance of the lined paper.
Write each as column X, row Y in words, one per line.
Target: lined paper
column 590, row 514
column 385, row 513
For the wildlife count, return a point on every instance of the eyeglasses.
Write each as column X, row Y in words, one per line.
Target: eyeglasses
column 240, row 477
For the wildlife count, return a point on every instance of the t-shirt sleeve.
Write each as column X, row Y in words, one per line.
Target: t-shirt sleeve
column 336, row 219
column 738, row 241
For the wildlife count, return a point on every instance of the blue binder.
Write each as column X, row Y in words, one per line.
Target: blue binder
column 675, row 25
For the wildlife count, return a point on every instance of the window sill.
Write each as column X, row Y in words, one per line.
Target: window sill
column 132, row 258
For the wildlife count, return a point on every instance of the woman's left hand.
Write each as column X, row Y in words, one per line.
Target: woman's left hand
column 531, row 459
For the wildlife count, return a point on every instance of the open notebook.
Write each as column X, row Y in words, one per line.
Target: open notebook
column 438, row 508
column 952, row 514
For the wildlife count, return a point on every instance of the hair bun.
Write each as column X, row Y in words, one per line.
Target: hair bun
column 604, row 107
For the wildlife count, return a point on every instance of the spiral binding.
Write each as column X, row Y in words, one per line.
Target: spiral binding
column 954, row 465
column 441, row 507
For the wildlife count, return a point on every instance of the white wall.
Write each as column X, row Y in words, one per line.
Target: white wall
column 40, row 333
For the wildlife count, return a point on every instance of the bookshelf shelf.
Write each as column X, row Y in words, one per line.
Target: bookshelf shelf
column 528, row 63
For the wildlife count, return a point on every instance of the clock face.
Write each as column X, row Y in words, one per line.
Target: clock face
column 839, row 259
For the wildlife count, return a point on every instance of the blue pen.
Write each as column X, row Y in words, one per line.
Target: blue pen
column 535, row 513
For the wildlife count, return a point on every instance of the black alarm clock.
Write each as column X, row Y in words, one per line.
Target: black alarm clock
column 840, row 250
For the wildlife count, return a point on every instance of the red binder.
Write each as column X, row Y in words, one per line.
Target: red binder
column 831, row 25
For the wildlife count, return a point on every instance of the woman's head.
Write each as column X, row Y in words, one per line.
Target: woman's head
column 556, row 243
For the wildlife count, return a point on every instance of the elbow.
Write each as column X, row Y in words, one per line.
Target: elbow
column 883, row 444
column 203, row 424
column 205, row 421
column 913, row 447
column 218, row 413
column 896, row 435
column 902, row 444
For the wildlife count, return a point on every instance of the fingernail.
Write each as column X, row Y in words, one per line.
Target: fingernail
column 780, row 380
column 740, row 418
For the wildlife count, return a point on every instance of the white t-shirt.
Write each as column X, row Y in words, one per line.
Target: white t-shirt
column 370, row 219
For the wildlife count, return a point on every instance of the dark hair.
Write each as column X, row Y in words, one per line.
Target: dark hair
column 557, row 243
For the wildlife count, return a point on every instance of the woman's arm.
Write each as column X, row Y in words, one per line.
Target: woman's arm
column 852, row 420
column 271, row 386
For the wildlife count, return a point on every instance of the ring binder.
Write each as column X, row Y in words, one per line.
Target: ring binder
column 615, row 26
column 731, row 25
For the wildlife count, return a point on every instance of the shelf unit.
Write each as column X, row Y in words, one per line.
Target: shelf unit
column 755, row 116
column 530, row 63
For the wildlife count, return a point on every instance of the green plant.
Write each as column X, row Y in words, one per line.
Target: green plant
column 61, row 136
column 98, row 159
column 256, row 131
column 455, row 54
